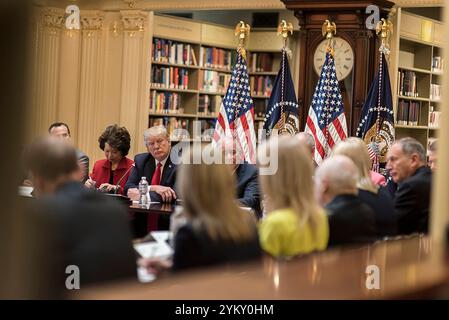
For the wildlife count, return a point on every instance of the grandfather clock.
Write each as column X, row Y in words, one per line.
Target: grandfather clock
column 355, row 49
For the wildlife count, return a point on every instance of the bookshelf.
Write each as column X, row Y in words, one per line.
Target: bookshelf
column 418, row 64
column 191, row 65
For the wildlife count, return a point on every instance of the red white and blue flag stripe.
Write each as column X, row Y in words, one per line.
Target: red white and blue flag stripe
column 236, row 117
column 326, row 120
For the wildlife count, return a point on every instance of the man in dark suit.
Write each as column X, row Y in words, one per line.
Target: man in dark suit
column 406, row 161
column 248, row 193
column 156, row 166
column 61, row 130
column 246, row 174
column 84, row 228
column 350, row 220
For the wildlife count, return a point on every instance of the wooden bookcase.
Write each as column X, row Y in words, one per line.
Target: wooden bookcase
column 417, row 77
column 191, row 64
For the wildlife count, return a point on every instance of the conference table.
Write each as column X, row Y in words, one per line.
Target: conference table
column 408, row 268
column 152, row 217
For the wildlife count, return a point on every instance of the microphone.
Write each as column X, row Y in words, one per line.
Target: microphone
column 117, row 186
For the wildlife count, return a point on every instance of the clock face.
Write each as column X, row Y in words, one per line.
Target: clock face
column 343, row 56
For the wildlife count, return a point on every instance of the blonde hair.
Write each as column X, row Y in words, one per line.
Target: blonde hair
column 291, row 186
column 208, row 193
column 355, row 149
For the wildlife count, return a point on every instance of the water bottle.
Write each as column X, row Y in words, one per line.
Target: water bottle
column 144, row 195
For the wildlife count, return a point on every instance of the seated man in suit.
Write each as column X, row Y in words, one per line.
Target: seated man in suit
column 61, row 130
column 156, row 166
column 432, row 155
column 247, row 190
column 83, row 228
column 406, row 161
column 350, row 220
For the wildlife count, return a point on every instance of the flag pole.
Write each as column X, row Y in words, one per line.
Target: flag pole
column 383, row 29
column 242, row 32
column 283, row 29
column 329, row 29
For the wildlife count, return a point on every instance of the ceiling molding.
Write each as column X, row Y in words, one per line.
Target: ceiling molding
column 419, row 3
column 114, row 5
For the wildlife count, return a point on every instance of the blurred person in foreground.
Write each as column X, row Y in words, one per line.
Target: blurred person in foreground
column 350, row 220
column 86, row 229
column 216, row 230
column 156, row 166
column 406, row 161
column 375, row 196
column 296, row 223
column 111, row 174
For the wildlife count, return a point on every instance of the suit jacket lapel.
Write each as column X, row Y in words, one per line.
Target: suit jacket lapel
column 149, row 168
column 167, row 170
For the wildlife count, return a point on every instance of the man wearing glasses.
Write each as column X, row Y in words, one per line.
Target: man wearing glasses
column 155, row 166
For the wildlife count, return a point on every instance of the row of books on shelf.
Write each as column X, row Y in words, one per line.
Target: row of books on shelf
column 434, row 118
column 437, row 64
column 261, row 85
column 261, row 62
column 214, row 81
column 170, row 77
column 260, row 105
column 407, row 83
column 435, row 91
column 408, row 113
column 169, row 51
column 212, row 57
column 209, row 105
column 174, row 125
column 165, row 102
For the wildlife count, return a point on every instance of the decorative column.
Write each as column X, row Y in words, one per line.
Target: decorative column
column 91, row 80
column 46, row 69
column 439, row 217
column 135, row 75
column 69, row 74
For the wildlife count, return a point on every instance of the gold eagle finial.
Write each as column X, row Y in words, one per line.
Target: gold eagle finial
column 242, row 31
column 284, row 28
column 384, row 29
column 329, row 29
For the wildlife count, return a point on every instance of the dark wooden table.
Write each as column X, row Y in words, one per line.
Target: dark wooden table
column 155, row 216
column 409, row 268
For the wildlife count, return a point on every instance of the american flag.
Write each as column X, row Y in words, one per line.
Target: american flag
column 326, row 120
column 236, row 117
column 376, row 119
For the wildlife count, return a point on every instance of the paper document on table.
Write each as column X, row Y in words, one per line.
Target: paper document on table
column 161, row 236
column 153, row 249
column 144, row 276
column 25, row 191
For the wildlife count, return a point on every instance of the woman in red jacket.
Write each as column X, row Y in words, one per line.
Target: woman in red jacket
column 110, row 175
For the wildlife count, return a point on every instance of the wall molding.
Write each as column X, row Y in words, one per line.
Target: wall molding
column 419, row 3
column 52, row 18
column 133, row 21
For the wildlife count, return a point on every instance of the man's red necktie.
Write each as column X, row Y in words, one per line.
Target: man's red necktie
column 155, row 181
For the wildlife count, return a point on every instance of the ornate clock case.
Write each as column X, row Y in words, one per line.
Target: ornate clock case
column 350, row 17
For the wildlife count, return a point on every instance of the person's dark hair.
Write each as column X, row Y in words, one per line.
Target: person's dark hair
column 117, row 137
column 51, row 158
column 58, row 124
